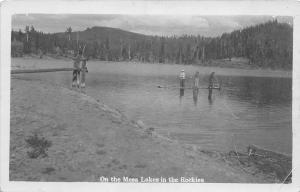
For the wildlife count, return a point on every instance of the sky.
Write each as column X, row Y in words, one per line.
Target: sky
column 164, row 25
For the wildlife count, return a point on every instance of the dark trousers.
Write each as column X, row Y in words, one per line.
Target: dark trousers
column 209, row 92
column 76, row 76
column 182, row 83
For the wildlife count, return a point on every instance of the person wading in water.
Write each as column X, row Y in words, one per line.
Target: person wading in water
column 196, row 80
column 182, row 79
column 212, row 79
column 196, row 87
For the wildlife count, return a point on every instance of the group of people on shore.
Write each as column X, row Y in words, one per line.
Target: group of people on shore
column 80, row 68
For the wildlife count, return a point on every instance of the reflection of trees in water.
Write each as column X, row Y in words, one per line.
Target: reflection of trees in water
column 260, row 90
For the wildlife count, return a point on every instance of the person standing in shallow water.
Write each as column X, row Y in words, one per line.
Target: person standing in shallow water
column 212, row 79
column 196, row 87
column 196, row 80
column 182, row 79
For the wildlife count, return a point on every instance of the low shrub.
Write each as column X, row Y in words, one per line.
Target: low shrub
column 39, row 146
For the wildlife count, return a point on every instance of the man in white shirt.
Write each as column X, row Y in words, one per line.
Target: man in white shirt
column 182, row 79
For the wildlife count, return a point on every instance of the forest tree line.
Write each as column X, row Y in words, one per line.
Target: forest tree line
column 267, row 45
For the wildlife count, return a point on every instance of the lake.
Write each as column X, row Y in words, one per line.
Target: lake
column 253, row 106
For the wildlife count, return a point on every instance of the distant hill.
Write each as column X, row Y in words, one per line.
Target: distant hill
column 267, row 45
column 101, row 34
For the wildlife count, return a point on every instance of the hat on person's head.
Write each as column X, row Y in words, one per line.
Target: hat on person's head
column 182, row 70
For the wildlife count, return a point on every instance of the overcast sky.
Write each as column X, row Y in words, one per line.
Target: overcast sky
column 145, row 24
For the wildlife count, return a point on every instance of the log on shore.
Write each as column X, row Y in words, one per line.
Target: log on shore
column 271, row 161
column 166, row 87
column 18, row 71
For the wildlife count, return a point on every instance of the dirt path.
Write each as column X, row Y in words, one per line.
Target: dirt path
column 90, row 140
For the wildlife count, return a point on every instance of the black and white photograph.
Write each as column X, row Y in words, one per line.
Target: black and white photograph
column 151, row 98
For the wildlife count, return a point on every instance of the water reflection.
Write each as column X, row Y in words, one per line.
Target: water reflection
column 260, row 91
column 257, row 109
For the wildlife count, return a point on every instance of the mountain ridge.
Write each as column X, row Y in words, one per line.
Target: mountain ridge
column 266, row 45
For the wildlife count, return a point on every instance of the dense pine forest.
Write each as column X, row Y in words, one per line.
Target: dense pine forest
column 267, row 45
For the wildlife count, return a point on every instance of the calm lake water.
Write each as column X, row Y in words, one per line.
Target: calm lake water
column 253, row 107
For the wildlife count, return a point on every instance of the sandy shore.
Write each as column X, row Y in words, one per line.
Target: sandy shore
column 90, row 140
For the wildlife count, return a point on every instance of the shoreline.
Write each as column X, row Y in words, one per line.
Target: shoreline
column 245, row 68
column 90, row 140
